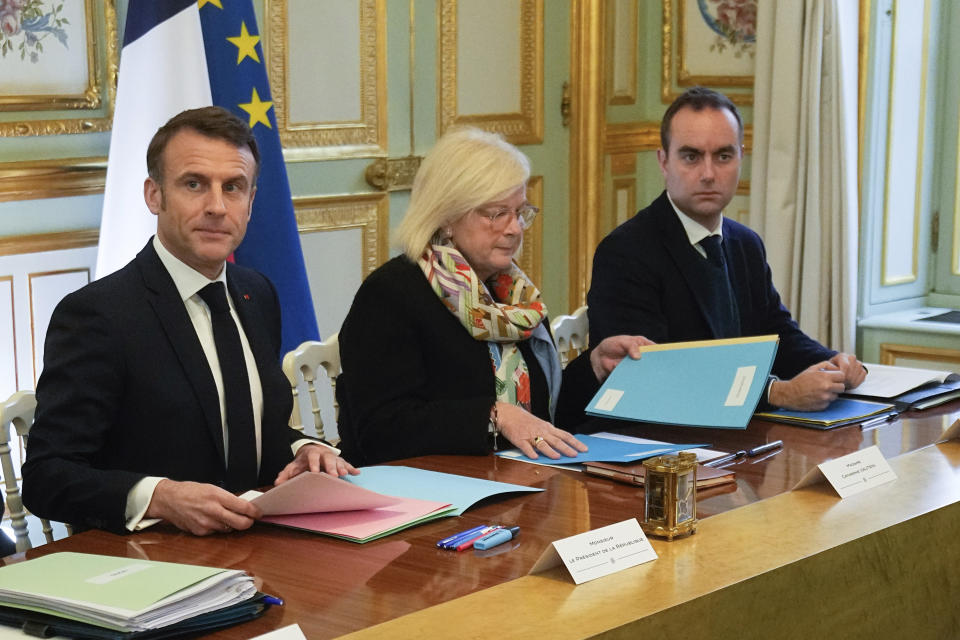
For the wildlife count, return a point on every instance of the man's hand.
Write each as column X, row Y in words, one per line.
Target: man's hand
column 608, row 354
column 810, row 390
column 853, row 370
column 317, row 458
column 200, row 508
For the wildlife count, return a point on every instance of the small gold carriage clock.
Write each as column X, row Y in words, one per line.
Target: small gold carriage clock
column 670, row 495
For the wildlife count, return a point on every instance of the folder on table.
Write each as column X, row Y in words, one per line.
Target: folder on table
column 842, row 411
column 600, row 449
column 709, row 383
column 92, row 596
column 336, row 507
column 359, row 509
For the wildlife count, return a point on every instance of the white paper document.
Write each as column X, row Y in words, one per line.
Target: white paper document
column 886, row 381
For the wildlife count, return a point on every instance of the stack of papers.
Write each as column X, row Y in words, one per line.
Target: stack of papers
column 122, row 595
column 841, row 411
column 908, row 388
column 709, row 383
column 359, row 509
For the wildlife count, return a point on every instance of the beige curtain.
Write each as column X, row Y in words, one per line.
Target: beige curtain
column 803, row 184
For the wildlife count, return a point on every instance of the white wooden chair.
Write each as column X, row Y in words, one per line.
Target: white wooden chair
column 571, row 334
column 17, row 411
column 302, row 365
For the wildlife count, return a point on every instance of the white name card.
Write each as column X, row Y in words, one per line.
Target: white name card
column 853, row 473
column 290, row 632
column 599, row 552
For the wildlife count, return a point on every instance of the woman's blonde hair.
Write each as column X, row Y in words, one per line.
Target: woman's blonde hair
column 466, row 168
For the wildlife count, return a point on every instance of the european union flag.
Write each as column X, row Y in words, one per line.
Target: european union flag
column 182, row 54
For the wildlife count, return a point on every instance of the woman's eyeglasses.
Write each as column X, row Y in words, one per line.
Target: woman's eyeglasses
column 500, row 217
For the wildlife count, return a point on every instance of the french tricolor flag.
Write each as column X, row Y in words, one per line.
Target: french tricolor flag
column 183, row 54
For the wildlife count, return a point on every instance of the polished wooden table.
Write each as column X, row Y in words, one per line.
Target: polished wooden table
column 409, row 588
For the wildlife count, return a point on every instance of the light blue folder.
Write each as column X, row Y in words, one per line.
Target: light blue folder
column 710, row 383
column 406, row 482
column 607, row 450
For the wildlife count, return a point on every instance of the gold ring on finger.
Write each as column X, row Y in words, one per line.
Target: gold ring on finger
column 537, row 441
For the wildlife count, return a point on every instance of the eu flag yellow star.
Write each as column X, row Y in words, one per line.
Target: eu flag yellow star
column 202, row 3
column 257, row 109
column 246, row 44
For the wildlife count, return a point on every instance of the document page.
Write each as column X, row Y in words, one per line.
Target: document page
column 886, row 381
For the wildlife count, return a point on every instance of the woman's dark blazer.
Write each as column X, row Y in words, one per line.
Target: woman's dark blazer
column 414, row 382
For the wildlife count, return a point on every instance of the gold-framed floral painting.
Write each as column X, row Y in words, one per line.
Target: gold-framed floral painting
column 710, row 43
column 58, row 61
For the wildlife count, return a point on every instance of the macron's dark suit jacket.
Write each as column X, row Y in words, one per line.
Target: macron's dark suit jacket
column 127, row 392
column 645, row 281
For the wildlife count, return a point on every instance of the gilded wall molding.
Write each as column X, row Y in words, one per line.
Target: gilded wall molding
column 531, row 256
column 587, row 74
column 628, row 186
column 92, row 98
column 525, row 127
column 392, row 174
column 40, row 242
column 368, row 212
column 631, row 48
column 38, row 179
column 633, row 137
column 365, row 138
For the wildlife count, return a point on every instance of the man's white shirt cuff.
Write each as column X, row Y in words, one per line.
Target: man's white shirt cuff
column 138, row 501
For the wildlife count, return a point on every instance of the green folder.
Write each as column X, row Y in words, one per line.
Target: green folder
column 124, row 595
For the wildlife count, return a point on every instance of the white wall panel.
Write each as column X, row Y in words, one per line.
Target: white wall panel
column 39, row 281
column 325, row 40
column 46, row 291
column 488, row 56
column 8, row 333
column 335, row 269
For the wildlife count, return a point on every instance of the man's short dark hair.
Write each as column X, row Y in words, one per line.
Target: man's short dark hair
column 213, row 122
column 698, row 99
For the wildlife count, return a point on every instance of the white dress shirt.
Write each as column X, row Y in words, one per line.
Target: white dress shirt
column 696, row 231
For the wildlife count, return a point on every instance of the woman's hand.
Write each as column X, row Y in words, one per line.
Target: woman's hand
column 608, row 354
column 534, row 436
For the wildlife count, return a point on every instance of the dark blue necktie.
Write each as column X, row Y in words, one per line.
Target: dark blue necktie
column 726, row 315
column 711, row 244
column 241, row 433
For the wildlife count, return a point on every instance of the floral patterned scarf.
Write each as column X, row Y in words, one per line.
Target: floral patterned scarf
column 501, row 323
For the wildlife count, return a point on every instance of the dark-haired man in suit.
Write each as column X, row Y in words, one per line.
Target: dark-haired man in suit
column 679, row 270
column 161, row 394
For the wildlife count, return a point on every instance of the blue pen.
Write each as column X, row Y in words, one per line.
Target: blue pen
column 272, row 600
column 494, row 538
column 447, row 542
